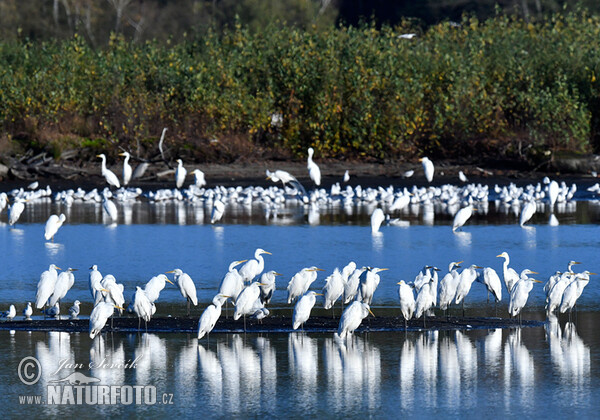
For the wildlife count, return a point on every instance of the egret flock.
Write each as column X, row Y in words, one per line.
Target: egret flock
column 250, row 288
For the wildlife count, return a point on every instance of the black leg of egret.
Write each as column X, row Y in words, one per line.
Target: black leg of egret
column 463, row 307
column 244, row 323
column 139, row 324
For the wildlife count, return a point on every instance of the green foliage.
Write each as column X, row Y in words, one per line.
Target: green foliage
column 348, row 92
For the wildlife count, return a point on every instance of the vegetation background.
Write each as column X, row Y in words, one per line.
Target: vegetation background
column 255, row 79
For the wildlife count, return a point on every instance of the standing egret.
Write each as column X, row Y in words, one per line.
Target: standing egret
column 52, row 225
column 300, row 282
column 407, row 301
column 10, row 314
column 64, row 282
column 114, row 291
column 467, row 277
column 352, row 318
column 333, row 289
column 448, row 285
column 369, row 282
column 253, row 267
column 99, row 316
column 509, row 274
column 154, row 286
column 95, row 280
column 186, row 287
column 527, row 212
column 218, row 211
column 45, row 287
column 199, row 179
column 427, row 168
column 555, row 296
column 313, row 169
column 27, row 312
column 462, row 176
column 351, row 287
column 74, row 310
column 553, row 191
column 346, row 177
column 211, row 315
column 180, row 174
column 377, row 218
column 574, row 291
column 424, row 301
column 491, row 280
column 245, row 301
column 233, row 283
column 109, row 175
column 461, row 217
column 142, row 306
column 303, row 307
column 109, row 207
column 15, row 210
column 520, row 293
column 267, row 280
column 286, row 178
column 127, row 171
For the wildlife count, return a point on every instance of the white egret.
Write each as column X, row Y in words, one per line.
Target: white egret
column 346, row 177
column 127, row 170
column 155, row 285
column 424, row 301
column 377, row 218
column 28, row 311
column 351, row 286
column 520, row 293
column 553, row 191
column 467, row 277
column 462, row 176
column 113, row 291
column 45, row 287
column 233, row 283
column 574, row 291
column 448, row 285
column 218, row 211
column 245, row 301
column 509, row 274
column 285, row 178
column 551, row 282
column 254, row 266
column 108, row 175
column 53, row 223
column 313, row 169
column 199, row 179
column 211, row 315
column 74, row 310
column 99, row 316
column 267, row 280
column 407, row 301
column 491, row 280
column 180, row 174
column 15, row 210
column 427, row 168
column 333, row 289
column 300, row 282
column 109, row 207
column 94, row 282
column 142, row 306
column 369, row 282
column 303, row 307
column 352, row 318
column 186, row 287
column 64, row 282
column 10, row 314
column 461, row 217
column 527, row 212
column 555, row 296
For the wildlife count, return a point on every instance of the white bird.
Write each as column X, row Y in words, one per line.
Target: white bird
column 199, row 179
column 408, row 173
column 180, row 174
column 74, row 310
column 211, row 315
column 45, row 287
column 15, row 210
column 109, row 207
column 520, row 293
column 300, row 282
column 509, row 274
column 352, row 318
column 553, row 191
column 407, row 301
column 267, row 281
column 233, row 283
column 555, row 296
column 245, row 301
column 407, row 36
column 574, row 291
column 462, row 176
column 303, row 307
column 369, row 282
column 467, row 277
column 424, row 301
column 377, row 218
column 333, row 289
column 492, row 281
column 218, row 211
column 53, row 223
column 285, row 178
column 352, row 285
column 186, row 287
column 448, row 285
column 346, row 177
column 99, row 316
column 154, row 286
column 527, row 212
column 127, row 170
column 427, row 168
column 461, row 217
column 313, row 169
column 28, row 311
column 142, row 306
column 10, row 314
column 108, row 175
column 64, row 282
column 254, row 266
column 113, row 292
column 94, row 282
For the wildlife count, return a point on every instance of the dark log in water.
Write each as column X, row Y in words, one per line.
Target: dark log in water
column 270, row 324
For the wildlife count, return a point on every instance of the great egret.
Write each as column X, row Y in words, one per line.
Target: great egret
column 448, row 285
column 333, row 289
column 10, row 314
column 99, row 316
column 407, row 301
column 142, row 306
column 28, row 311
column 15, row 210
column 467, row 277
column 527, row 212
column 109, row 207
column 509, row 274
column 211, row 315
column 303, row 307
column 64, row 282
column 427, row 168
column 74, row 310
column 346, row 177
column 253, row 267
column 113, row 291
column 94, row 282
column 199, row 179
column 555, row 296
column 352, row 318
column 155, row 285
column 245, row 301
column 285, row 178
column 369, row 282
column 461, row 217
column 462, row 176
column 574, row 291
column 233, row 283
column 553, row 190
column 108, row 175
column 377, row 218
column 313, row 169
column 45, row 286
column 520, row 293
column 351, row 286
column 53, row 223
column 218, row 211
column 186, row 287
column 492, row 281
column 267, row 280
column 180, row 174
column 127, row 171
column 424, row 301
column 300, row 282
